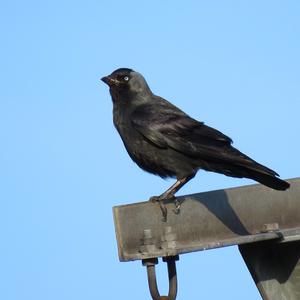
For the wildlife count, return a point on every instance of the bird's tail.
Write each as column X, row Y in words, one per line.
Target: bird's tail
column 244, row 166
column 250, row 168
column 269, row 180
column 232, row 162
column 263, row 175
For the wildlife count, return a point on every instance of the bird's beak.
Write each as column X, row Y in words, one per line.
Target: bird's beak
column 109, row 81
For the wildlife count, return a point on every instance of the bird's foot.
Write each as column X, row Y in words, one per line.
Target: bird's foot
column 163, row 208
column 177, row 206
column 160, row 199
column 154, row 199
column 164, row 211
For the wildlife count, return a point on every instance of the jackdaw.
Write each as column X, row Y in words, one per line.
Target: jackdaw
column 165, row 141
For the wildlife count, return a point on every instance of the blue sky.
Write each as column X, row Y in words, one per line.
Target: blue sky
column 233, row 64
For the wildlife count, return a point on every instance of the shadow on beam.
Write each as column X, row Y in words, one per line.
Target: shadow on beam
column 217, row 203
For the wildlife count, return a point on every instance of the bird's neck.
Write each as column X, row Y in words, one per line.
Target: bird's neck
column 130, row 99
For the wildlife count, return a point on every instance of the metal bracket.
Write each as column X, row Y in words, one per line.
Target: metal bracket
column 252, row 217
column 152, row 282
column 207, row 220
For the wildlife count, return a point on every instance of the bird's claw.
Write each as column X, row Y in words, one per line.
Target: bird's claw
column 164, row 211
column 177, row 206
column 161, row 198
column 154, row 199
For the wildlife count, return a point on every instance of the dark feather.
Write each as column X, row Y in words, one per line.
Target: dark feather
column 164, row 140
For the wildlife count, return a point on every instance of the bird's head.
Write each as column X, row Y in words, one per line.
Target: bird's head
column 126, row 82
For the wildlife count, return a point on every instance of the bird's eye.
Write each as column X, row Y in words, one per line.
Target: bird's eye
column 126, row 78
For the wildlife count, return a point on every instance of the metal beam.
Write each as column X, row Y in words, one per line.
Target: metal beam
column 208, row 220
column 275, row 268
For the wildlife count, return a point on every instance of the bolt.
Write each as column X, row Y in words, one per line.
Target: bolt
column 168, row 240
column 269, row 227
column 147, row 242
column 147, row 234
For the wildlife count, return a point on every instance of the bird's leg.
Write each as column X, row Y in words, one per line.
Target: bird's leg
column 170, row 194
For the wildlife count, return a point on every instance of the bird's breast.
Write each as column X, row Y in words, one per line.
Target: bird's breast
column 164, row 162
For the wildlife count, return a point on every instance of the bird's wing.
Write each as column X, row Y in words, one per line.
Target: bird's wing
column 164, row 125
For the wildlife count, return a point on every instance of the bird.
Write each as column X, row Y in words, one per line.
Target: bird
column 163, row 140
